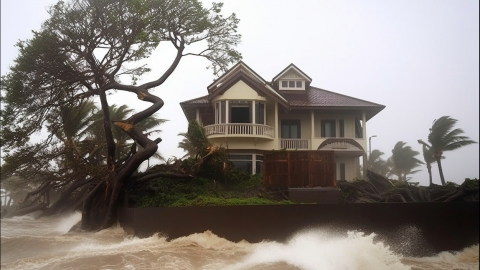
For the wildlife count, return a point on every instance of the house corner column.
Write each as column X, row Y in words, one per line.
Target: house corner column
column 364, row 125
column 365, row 167
column 197, row 116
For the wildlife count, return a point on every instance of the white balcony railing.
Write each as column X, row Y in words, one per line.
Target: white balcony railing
column 294, row 144
column 239, row 129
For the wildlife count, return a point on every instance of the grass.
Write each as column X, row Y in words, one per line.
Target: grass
column 242, row 189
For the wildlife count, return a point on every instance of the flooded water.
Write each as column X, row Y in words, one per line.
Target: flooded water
column 46, row 244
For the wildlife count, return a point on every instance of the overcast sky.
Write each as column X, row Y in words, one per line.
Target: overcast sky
column 418, row 58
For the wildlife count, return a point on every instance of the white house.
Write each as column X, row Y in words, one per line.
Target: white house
column 250, row 115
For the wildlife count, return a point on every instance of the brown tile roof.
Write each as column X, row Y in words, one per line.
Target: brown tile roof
column 317, row 97
column 199, row 100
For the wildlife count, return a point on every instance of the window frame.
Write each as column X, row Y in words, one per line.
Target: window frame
column 323, row 129
column 291, row 122
column 290, row 82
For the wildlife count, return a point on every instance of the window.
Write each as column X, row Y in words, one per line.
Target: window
column 259, row 113
column 358, row 128
column 223, row 109
column 328, row 128
column 242, row 162
column 245, row 162
column 290, row 129
column 240, row 111
column 259, row 164
column 342, row 128
column 292, row 85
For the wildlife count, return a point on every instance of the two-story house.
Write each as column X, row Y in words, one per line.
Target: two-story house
column 250, row 115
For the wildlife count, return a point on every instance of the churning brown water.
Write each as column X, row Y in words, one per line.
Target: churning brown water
column 46, row 244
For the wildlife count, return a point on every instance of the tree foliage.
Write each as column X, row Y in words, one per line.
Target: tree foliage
column 444, row 137
column 84, row 52
column 377, row 164
column 404, row 160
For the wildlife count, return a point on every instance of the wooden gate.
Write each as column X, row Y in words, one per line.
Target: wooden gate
column 282, row 169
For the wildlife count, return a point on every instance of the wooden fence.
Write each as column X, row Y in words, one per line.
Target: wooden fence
column 282, row 169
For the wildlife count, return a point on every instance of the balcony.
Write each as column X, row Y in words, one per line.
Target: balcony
column 239, row 130
column 290, row 144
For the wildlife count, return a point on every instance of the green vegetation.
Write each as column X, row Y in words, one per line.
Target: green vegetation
column 470, row 183
column 244, row 189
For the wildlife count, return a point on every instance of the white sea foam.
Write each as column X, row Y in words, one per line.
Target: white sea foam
column 317, row 249
column 466, row 259
column 68, row 222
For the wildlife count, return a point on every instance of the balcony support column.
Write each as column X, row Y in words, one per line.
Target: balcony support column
column 226, row 117
column 276, row 123
column 312, row 125
column 254, row 131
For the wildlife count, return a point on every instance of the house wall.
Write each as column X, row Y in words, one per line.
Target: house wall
column 349, row 125
column 245, row 143
column 240, row 91
column 305, row 124
column 350, row 167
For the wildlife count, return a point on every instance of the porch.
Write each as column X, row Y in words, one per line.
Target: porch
column 239, row 130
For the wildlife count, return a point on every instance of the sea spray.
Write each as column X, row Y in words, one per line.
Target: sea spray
column 68, row 222
column 317, row 249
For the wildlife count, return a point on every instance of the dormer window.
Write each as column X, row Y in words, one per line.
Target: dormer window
column 292, row 85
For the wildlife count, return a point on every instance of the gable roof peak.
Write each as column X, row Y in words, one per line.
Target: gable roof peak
column 292, row 67
column 238, row 67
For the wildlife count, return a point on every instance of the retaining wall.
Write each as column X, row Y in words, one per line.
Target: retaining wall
column 418, row 229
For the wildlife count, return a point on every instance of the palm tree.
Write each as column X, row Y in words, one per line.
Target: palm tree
column 429, row 159
column 404, row 161
column 377, row 164
column 97, row 135
column 443, row 137
column 72, row 127
column 194, row 141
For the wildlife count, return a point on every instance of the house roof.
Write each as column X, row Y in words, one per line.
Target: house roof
column 190, row 107
column 311, row 98
column 317, row 98
column 240, row 65
column 260, row 87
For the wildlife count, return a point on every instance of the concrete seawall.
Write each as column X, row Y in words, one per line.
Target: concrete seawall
column 426, row 228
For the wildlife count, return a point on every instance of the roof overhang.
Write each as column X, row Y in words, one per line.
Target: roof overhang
column 369, row 111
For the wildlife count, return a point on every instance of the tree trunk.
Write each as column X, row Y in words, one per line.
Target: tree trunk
column 440, row 170
column 92, row 207
column 59, row 205
column 26, row 210
column 429, row 169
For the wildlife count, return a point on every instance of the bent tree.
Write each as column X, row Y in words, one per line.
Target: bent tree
column 84, row 52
